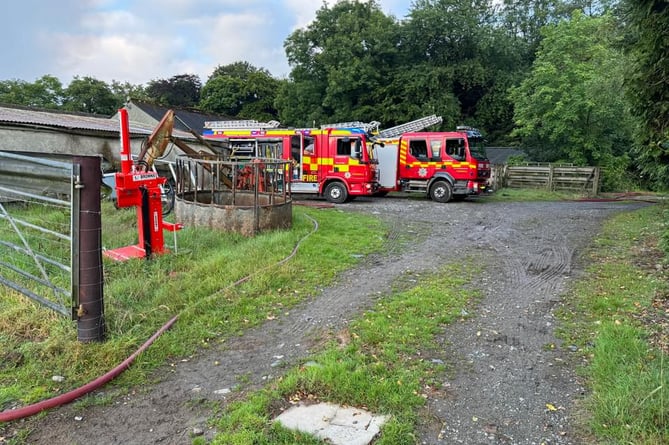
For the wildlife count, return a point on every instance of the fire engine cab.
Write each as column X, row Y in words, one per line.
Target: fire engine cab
column 330, row 162
column 442, row 165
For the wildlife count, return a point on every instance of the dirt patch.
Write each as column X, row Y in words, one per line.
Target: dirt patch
column 510, row 381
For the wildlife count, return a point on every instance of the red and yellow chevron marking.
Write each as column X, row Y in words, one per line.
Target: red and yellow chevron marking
column 437, row 164
column 310, row 163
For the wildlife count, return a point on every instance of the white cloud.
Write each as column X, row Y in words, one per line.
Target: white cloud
column 134, row 59
column 304, row 11
column 137, row 41
column 110, row 21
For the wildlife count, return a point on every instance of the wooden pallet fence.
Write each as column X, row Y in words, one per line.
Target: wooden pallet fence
column 556, row 177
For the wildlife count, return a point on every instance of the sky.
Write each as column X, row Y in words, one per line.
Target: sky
column 142, row 40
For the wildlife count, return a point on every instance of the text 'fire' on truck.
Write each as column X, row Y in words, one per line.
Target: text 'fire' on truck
column 443, row 165
column 333, row 162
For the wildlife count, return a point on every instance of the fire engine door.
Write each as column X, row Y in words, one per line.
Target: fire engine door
column 418, row 157
column 305, row 160
column 456, row 150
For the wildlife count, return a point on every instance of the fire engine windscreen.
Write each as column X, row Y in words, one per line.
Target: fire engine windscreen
column 477, row 148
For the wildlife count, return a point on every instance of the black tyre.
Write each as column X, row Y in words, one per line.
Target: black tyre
column 441, row 191
column 167, row 197
column 336, row 192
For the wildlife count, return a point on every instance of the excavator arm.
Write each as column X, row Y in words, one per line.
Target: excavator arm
column 154, row 147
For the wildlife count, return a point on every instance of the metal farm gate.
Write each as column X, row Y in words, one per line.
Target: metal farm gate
column 50, row 235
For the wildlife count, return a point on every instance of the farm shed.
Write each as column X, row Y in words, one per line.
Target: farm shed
column 59, row 133
column 185, row 119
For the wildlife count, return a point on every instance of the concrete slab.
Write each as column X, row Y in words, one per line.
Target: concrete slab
column 340, row 425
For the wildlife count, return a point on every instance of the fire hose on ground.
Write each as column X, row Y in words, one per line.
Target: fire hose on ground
column 30, row 410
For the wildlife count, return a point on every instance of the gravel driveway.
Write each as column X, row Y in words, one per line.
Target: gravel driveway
column 506, row 385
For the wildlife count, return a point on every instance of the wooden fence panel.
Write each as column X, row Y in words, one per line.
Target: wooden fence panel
column 550, row 177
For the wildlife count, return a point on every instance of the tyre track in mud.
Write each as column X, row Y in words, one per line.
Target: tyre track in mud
column 501, row 373
column 513, row 383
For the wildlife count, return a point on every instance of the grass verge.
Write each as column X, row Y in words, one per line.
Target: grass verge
column 619, row 317
column 384, row 362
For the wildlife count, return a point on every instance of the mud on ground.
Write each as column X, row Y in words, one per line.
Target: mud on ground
column 504, row 386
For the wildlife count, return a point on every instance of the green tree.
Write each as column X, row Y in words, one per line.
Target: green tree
column 416, row 91
column 241, row 90
column 341, row 63
column 125, row 90
column 182, row 90
column 239, row 70
column 570, row 108
column 89, row 95
column 647, row 22
column 509, row 50
column 525, row 18
column 45, row 92
column 461, row 62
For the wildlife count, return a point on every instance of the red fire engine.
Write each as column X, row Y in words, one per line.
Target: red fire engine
column 442, row 165
column 331, row 162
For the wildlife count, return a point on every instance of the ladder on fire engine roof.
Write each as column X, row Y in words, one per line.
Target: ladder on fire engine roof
column 240, row 125
column 417, row 125
column 373, row 127
column 370, row 127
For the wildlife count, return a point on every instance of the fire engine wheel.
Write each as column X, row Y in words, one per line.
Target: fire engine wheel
column 441, row 191
column 336, row 192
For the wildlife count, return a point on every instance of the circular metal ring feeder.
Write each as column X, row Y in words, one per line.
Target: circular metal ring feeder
column 243, row 196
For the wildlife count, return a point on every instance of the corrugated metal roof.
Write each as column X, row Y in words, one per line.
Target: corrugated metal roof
column 57, row 119
column 22, row 116
column 193, row 119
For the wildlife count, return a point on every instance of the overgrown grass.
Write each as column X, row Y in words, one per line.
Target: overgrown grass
column 383, row 362
column 196, row 283
column 619, row 315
